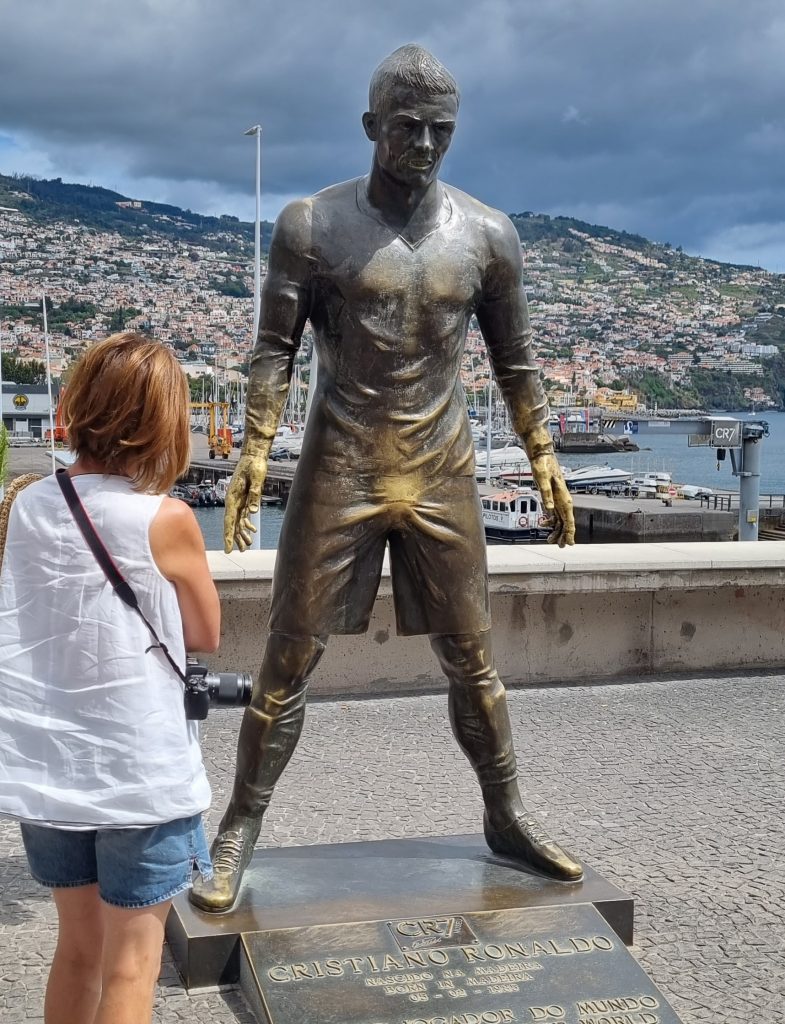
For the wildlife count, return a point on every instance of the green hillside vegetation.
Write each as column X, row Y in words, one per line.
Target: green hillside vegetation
column 95, row 207
column 22, row 371
column 59, row 318
column 538, row 227
column 232, row 286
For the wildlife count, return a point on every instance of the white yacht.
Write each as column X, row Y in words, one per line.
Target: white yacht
column 509, row 458
column 597, row 478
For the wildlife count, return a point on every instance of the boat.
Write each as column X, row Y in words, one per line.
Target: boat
column 509, row 458
column 288, row 442
column 196, row 495
column 661, row 485
column 587, row 442
column 220, row 488
column 184, row 493
column 598, row 479
column 514, row 516
column 651, row 484
column 695, row 491
column 65, row 456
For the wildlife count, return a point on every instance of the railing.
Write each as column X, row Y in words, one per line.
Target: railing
column 730, row 502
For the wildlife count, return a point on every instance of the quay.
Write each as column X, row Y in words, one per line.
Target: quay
column 600, row 519
column 278, row 482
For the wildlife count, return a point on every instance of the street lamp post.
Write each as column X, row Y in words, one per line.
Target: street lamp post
column 49, row 381
column 256, row 518
column 257, row 255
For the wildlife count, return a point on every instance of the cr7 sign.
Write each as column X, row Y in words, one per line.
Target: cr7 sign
column 726, row 434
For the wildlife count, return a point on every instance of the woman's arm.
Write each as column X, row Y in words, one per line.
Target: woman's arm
column 178, row 550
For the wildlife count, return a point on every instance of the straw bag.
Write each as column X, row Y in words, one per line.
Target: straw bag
column 11, row 492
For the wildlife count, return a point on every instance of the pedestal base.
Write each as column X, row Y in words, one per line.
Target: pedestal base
column 351, row 883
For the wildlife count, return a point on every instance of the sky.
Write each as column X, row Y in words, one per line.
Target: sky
column 662, row 117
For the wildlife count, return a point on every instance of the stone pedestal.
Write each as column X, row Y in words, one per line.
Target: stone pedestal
column 423, row 931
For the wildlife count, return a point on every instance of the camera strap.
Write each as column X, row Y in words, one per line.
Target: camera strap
column 119, row 583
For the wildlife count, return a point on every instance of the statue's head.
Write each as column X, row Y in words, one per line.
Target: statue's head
column 413, row 101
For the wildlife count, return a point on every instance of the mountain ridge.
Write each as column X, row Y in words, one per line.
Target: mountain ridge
column 50, row 199
column 609, row 308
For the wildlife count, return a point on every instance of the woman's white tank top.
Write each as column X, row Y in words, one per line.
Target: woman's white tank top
column 92, row 727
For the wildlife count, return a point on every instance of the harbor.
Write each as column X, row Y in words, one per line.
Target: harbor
column 600, row 517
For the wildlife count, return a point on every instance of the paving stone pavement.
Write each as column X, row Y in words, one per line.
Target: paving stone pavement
column 674, row 789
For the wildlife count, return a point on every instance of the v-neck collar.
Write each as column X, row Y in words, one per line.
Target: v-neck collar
column 364, row 206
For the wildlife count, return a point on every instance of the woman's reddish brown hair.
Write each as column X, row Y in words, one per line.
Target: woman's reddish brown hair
column 127, row 406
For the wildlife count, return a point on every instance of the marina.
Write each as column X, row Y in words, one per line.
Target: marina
column 627, row 497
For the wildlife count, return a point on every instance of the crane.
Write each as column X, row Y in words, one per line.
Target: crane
column 219, row 439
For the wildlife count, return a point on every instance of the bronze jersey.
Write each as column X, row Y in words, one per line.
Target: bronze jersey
column 390, row 318
column 390, row 322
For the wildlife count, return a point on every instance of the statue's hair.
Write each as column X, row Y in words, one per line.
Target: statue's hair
column 413, row 66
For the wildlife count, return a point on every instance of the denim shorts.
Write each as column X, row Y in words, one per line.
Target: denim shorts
column 133, row 867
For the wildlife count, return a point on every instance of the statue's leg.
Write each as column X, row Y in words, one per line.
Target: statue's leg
column 481, row 725
column 271, row 727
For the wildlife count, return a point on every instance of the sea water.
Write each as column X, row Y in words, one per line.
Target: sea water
column 667, row 451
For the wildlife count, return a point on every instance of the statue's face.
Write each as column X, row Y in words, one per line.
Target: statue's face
column 412, row 135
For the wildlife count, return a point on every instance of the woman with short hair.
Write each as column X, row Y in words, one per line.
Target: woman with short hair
column 97, row 760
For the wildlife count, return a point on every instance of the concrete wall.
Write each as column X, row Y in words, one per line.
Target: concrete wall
column 601, row 520
column 570, row 616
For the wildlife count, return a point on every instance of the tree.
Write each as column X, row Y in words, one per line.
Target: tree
column 22, row 371
column 119, row 317
column 233, row 286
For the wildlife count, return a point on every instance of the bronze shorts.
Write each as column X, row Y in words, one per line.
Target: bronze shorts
column 332, row 545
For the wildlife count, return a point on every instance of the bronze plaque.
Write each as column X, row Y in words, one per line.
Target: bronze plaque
column 559, row 965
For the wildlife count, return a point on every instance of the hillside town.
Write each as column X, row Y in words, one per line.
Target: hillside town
column 608, row 318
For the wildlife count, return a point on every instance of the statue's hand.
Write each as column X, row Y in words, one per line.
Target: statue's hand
column 242, row 501
column 556, row 499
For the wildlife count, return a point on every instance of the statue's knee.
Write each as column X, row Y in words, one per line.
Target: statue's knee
column 464, row 657
column 289, row 661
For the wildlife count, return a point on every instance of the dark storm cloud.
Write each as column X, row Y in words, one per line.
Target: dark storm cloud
column 663, row 117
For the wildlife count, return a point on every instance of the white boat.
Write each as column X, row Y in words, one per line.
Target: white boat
column 509, row 458
column 221, row 487
column 660, row 484
column 597, row 478
column 514, row 516
column 651, row 484
column 695, row 491
column 288, row 442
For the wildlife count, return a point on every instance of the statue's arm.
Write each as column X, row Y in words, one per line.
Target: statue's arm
column 503, row 316
column 285, row 305
column 284, row 310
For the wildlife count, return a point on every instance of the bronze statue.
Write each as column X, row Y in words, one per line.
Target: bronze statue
column 389, row 269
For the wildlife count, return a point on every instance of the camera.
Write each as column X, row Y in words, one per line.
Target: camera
column 203, row 688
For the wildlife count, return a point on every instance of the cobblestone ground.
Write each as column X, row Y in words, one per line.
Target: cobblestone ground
column 673, row 789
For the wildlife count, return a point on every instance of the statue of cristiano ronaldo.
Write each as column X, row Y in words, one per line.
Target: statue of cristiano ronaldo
column 389, row 269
